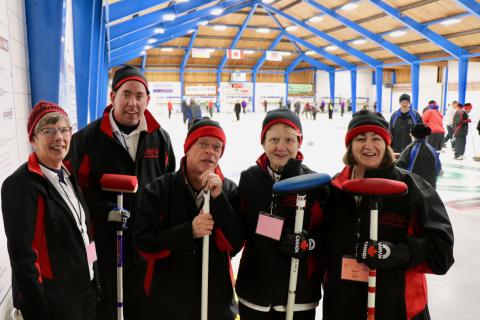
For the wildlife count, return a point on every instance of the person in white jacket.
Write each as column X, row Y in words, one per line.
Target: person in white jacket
column 449, row 123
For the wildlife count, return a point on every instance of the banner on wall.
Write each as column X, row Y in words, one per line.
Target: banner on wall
column 238, row 77
column 200, row 53
column 274, row 56
column 235, row 54
column 294, row 88
column 236, row 89
column 200, row 90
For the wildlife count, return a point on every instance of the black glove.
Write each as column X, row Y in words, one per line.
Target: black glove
column 296, row 244
column 383, row 254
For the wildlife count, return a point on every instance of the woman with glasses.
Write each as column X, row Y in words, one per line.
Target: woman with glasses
column 47, row 226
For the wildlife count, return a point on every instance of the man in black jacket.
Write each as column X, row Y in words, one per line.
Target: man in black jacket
column 460, row 131
column 126, row 140
column 170, row 225
column 401, row 122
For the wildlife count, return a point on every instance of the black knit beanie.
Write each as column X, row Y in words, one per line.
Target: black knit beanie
column 128, row 73
column 282, row 115
column 204, row 127
column 404, row 96
column 368, row 121
column 420, row 131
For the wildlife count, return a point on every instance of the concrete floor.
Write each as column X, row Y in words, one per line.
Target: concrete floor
column 451, row 296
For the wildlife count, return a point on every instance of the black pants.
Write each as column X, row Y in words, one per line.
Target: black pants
column 330, row 114
column 249, row 314
column 237, row 114
column 436, row 141
column 449, row 135
column 169, row 113
column 460, row 142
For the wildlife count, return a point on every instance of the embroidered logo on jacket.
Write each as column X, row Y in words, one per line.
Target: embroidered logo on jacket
column 151, row 153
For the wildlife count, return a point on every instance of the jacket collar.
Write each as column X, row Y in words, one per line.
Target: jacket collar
column 263, row 161
column 106, row 126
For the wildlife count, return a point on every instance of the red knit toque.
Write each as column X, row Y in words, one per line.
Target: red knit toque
column 37, row 113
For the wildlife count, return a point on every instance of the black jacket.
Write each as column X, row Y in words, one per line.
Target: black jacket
column 424, row 162
column 163, row 232
column 49, row 262
column 418, row 219
column 264, row 271
column 460, row 123
column 400, row 125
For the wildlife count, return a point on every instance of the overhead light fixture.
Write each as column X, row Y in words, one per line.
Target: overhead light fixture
column 315, row 19
column 166, row 49
column 267, row 1
column 190, row 31
column 397, row 33
column 449, row 22
column 151, row 40
column 143, row 52
column 159, row 30
column 147, row 47
column 285, row 53
column 263, row 30
column 248, row 51
column 349, row 6
column 331, row 48
column 291, row 28
column 220, row 27
column 310, row 53
column 181, row 1
column 203, row 23
column 217, row 11
column 360, row 41
column 169, row 17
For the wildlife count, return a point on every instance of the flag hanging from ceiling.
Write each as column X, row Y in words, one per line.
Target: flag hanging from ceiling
column 274, row 56
column 235, row 54
column 200, row 53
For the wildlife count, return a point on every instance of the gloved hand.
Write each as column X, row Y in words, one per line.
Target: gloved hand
column 296, row 245
column 383, row 254
column 118, row 218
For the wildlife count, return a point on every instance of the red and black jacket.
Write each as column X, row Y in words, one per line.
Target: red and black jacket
column 418, row 219
column 264, row 272
column 460, row 123
column 50, row 272
column 163, row 233
column 95, row 151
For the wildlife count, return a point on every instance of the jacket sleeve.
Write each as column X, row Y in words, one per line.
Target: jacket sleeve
column 404, row 158
column 228, row 230
column 20, row 206
column 151, row 232
column 430, row 234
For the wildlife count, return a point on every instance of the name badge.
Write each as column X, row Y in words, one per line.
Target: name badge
column 353, row 270
column 91, row 253
column 269, row 226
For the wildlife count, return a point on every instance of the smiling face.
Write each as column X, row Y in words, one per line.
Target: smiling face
column 129, row 102
column 52, row 142
column 368, row 150
column 203, row 155
column 280, row 145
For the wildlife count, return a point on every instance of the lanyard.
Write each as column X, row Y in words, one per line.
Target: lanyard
column 78, row 213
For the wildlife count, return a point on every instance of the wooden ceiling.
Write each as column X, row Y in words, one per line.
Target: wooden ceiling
column 464, row 34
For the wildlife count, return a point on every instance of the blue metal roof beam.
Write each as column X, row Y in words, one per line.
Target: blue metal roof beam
column 264, row 56
column 471, row 5
column 152, row 19
column 354, row 52
column 317, row 64
column 421, row 29
column 404, row 55
column 294, row 63
column 122, row 9
column 237, row 37
column 189, row 49
column 181, row 30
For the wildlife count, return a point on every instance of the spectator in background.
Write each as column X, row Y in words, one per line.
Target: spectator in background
column 420, row 157
column 265, row 105
column 196, row 111
column 280, row 103
column 170, row 107
column 296, row 107
column 210, row 108
column 342, row 107
column 322, row 105
column 314, row 112
column 237, row 108
column 401, row 123
column 460, row 131
column 244, row 106
column 330, row 110
column 449, row 123
column 185, row 110
column 434, row 120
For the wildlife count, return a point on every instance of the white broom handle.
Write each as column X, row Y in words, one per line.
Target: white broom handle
column 372, row 273
column 292, row 285
column 205, row 255
column 120, row 263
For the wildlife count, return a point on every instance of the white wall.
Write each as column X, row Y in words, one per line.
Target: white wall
column 343, row 84
column 14, row 108
column 472, row 96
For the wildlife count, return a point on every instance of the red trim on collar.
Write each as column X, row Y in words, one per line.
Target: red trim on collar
column 34, row 165
column 106, row 126
column 342, row 177
column 262, row 161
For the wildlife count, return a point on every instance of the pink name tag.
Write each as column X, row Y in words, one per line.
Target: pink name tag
column 91, row 253
column 269, row 226
column 353, row 270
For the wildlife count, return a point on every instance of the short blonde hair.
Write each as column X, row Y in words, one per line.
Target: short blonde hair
column 50, row 118
column 288, row 128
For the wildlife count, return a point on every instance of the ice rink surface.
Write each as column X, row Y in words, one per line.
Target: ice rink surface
column 452, row 296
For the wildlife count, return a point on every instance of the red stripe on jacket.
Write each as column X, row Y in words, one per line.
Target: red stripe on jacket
column 151, row 258
column 39, row 244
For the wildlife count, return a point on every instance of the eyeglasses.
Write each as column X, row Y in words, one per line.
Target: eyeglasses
column 52, row 132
